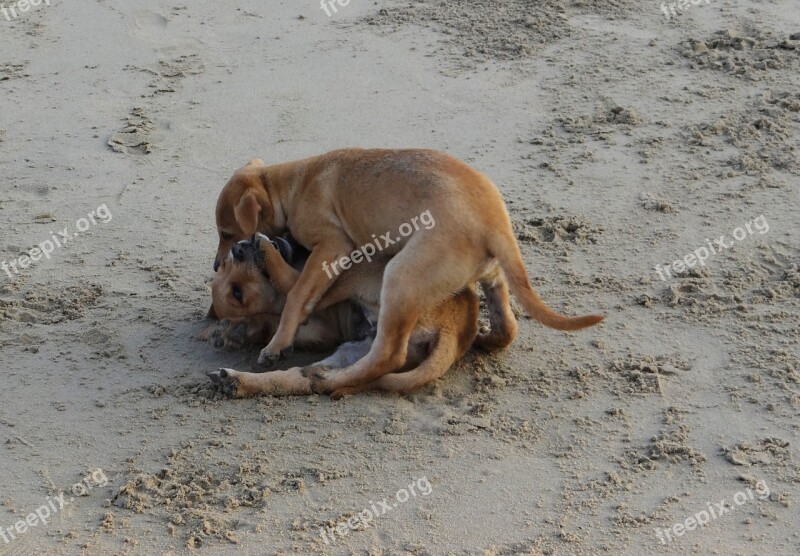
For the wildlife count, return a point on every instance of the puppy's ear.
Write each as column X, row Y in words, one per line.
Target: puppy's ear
column 247, row 213
column 206, row 333
column 212, row 314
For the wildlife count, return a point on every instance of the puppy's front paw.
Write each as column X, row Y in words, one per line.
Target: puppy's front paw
column 258, row 238
column 268, row 357
column 262, row 243
column 227, row 382
column 229, row 336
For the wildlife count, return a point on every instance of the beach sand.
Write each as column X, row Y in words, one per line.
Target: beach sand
column 622, row 141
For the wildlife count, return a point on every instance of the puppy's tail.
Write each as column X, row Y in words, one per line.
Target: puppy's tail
column 503, row 246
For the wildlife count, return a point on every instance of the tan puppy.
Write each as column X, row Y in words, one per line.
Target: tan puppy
column 249, row 291
column 338, row 203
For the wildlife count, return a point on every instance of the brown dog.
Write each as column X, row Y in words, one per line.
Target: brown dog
column 249, row 291
column 338, row 203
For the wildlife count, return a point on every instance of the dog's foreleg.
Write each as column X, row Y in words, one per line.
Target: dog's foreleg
column 304, row 296
column 280, row 273
column 276, row 383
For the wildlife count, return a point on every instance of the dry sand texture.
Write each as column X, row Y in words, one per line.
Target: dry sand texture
column 621, row 141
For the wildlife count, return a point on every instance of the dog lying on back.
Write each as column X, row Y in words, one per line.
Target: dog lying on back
column 249, row 291
column 248, row 304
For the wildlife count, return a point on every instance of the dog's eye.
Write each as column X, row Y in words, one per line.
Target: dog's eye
column 237, row 293
column 225, row 236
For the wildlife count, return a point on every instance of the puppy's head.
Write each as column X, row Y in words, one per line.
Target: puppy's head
column 241, row 288
column 243, row 208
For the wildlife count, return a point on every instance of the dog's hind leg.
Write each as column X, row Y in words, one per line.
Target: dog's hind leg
column 403, row 300
column 502, row 322
column 445, row 352
column 456, row 322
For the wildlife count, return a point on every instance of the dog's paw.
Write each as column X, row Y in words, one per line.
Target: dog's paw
column 229, row 336
column 262, row 242
column 268, row 357
column 323, row 382
column 342, row 392
column 227, row 383
column 320, row 377
column 259, row 239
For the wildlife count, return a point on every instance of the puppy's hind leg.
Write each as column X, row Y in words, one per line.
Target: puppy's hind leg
column 457, row 322
column 444, row 353
column 502, row 322
column 403, row 300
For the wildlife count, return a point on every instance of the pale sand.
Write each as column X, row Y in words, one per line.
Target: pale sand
column 620, row 141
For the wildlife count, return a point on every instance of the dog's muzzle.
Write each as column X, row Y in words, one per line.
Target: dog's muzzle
column 243, row 251
column 238, row 251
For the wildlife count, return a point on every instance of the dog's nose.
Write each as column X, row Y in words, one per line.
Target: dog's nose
column 216, row 265
column 238, row 252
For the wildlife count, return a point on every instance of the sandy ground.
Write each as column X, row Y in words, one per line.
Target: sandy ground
column 620, row 140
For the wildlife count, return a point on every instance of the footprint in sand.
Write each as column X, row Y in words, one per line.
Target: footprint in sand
column 148, row 26
column 134, row 137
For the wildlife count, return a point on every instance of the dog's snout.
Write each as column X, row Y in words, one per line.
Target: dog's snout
column 238, row 252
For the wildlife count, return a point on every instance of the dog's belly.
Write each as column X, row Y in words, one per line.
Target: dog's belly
column 368, row 325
